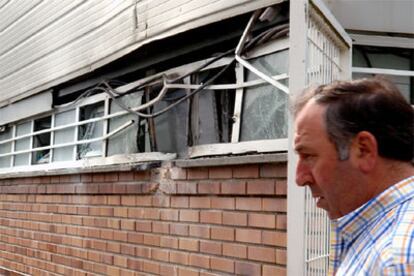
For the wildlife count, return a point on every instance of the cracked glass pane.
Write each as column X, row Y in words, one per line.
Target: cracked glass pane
column 126, row 141
column 90, row 130
column 265, row 108
column 41, row 140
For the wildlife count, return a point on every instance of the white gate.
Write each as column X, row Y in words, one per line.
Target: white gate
column 320, row 53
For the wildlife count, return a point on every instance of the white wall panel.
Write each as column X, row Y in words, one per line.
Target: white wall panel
column 47, row 42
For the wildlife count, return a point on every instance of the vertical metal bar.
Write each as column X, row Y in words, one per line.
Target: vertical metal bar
column 296, row 200
column 31, row 141
column 238, row 105
column 105, row 128
column 52, row 137
column 13, row 146
column 76, row 133
column 151, row 123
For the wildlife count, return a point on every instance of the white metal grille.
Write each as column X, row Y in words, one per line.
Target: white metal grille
column 324, row 66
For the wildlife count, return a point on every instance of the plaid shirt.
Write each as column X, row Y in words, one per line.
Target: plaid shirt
column 378, row 237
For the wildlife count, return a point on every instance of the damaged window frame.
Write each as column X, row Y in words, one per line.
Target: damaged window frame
column 235, row 145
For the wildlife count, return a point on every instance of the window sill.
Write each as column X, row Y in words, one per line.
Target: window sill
column 122, row 162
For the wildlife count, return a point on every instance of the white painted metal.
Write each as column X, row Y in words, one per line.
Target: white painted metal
column 383, row 41
column 382, row 71
column 296, row 195
column 238, row 105
column 86, row 141
column 39, row 103
column 260, row 146
column 45, row 43
column 319, row 53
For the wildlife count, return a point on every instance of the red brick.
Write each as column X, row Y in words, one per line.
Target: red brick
column 178, row 173
column 188, row 244
column 169, row 242
column 249, row 235
column 179, row 257
column 281, row 187
column 200, row 231
column 126, row 176
column 128, row 200
column 186, row 187
column 151, row 267
column 200, row 261
column 135, row 264
column 127, row 225
column 248, row 203
column 261, row 187
column 98, row 177
column 222, row 233
column 246, row 171
column 275, row 204
column 220, row 172
column 281, row 222
column 187, row 272
column 211, row 247
column 180, row 202
column 197, row 173
column 235, row 218
column 111, row 177
column 200, row 202
column 235, row 250
column 273, row 170
column 179, row 229
column 142, row 175
column 262, row 220
column 161, row 201
column 169, row 215
column 221, row 264
column 233, row 187
column 160, row 227
column 160, row 254
column 212, row 217
column 245, row 268
column 209, row 187
column 274, row 238
column 168, row 270
column 223, row 203
column 153, row 240
column 190, row 215
column 135, row 237
column 271, row 270
column 264, row 254
column 143, row 226
column 281, row 257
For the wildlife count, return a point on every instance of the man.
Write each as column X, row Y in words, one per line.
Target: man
column 355, row 142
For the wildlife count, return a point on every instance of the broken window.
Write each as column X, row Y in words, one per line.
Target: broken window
column 41, row 140
column 264, row 112
column 90, row 130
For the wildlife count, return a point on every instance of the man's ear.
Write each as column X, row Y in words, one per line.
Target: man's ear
column 365, row 151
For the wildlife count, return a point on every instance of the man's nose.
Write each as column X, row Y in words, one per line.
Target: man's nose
column 303, row 176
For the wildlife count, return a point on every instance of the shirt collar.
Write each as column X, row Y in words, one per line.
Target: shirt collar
column 352, row 224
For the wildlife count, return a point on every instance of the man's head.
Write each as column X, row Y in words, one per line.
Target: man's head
column 342, row 131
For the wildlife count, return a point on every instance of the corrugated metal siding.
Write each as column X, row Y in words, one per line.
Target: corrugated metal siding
column 47, row 42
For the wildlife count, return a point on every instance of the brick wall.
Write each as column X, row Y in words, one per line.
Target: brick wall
column 167, row 221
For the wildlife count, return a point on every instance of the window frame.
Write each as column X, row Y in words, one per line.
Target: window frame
column 234, row 147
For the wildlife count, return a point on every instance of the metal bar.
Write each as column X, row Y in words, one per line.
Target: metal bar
column 393, row 72
column 238, row 105
column 262, row 75
column 127, row 124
